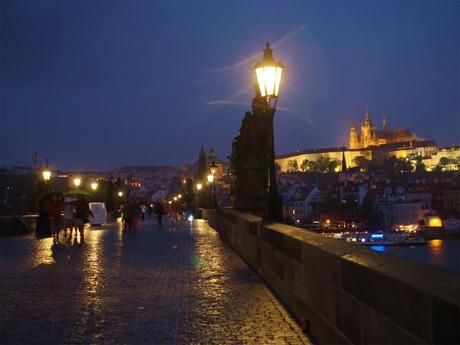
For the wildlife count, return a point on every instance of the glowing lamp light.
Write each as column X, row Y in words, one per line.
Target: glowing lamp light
column 268, row 74
column 175, row 198
column 46, row 174
column 120, row 194
column 199, row 186
column 77, row 181
column 210, row 178
column 179, row 196
column 94, row 186
column 434, row 222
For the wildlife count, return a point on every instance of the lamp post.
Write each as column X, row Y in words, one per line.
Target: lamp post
column 46, row 174
column 268, row 73
column 213, row 170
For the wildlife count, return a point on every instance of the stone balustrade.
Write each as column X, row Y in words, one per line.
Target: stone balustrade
column 346, row 294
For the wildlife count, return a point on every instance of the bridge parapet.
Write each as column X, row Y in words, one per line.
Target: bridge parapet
column 349, row 294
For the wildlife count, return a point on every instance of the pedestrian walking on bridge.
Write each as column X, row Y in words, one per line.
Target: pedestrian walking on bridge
column 159, row 212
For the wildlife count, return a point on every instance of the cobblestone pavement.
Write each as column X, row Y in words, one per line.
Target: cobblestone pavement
column 155, row 286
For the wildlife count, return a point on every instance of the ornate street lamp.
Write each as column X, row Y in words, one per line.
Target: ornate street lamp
column 94, row 186
column 268, row 73
column 213, row 168
column 211, row 179
column 77, row 182
column 46, row 173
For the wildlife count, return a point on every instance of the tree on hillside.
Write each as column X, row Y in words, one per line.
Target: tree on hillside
column 292, row 166
column 362, row 163
column 419, row 165
column 402, row 165
column 304, row 165
column 326, row 164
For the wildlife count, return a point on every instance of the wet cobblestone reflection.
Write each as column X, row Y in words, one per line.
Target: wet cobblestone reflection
column 156, row 286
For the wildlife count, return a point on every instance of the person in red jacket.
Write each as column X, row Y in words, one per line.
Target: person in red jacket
column 55, row 213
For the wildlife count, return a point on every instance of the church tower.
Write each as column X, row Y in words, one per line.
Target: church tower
column 367, row 129
column 353, row 141
column 202, row 165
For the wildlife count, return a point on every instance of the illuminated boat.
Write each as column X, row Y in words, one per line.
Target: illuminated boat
column 393, row 238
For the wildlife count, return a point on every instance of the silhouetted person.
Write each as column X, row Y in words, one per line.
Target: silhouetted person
column 82, row 214
column 159, row 211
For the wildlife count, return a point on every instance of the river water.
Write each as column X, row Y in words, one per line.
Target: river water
column 440, row 253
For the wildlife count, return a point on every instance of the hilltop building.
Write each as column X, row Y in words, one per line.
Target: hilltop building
column 369, row 136
column 374, row 145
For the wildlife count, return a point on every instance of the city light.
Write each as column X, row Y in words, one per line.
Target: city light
column 210, row 178
column 175, row 198
column 120, row 194
column 434, row 222
column 94, row 185
column 77, row 181
column 179, row 196
column 199, row 186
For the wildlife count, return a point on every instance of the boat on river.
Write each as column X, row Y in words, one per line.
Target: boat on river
column 383, row 238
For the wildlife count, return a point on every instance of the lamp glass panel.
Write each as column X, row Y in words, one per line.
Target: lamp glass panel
column 269, row 79
column 46, row 175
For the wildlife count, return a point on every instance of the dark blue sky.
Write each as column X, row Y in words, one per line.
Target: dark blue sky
column 101, row 84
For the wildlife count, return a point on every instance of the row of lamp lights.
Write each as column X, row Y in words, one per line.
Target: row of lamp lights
column 175, row 199
column 46, row 173
column 210, row 177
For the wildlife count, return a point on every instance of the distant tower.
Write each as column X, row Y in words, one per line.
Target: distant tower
column 353, row 141
column 36, row 159
column 344, row 162
column 343, row 174
column 212, row 155
column 202, row 165
column 384, row 123
column 367, row 129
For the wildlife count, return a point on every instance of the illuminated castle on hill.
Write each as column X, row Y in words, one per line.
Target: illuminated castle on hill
column 369, row 136
column 374, row 145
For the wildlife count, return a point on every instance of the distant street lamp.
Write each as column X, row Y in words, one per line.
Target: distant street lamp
column 180, row 196
column 120, row 194
column 94, row 186
column 268, row 76
column 77, row 182
column 46, row 173
column 175, row 198
column 211, row 179
column 199, row 186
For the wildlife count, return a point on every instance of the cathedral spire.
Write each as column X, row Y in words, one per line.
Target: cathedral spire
column 367, row 115
column 344, row 162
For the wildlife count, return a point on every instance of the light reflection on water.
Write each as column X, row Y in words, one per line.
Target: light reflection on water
column 440, row 253
column 44, row 253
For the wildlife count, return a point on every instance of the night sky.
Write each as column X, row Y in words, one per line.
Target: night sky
column 102, row 84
